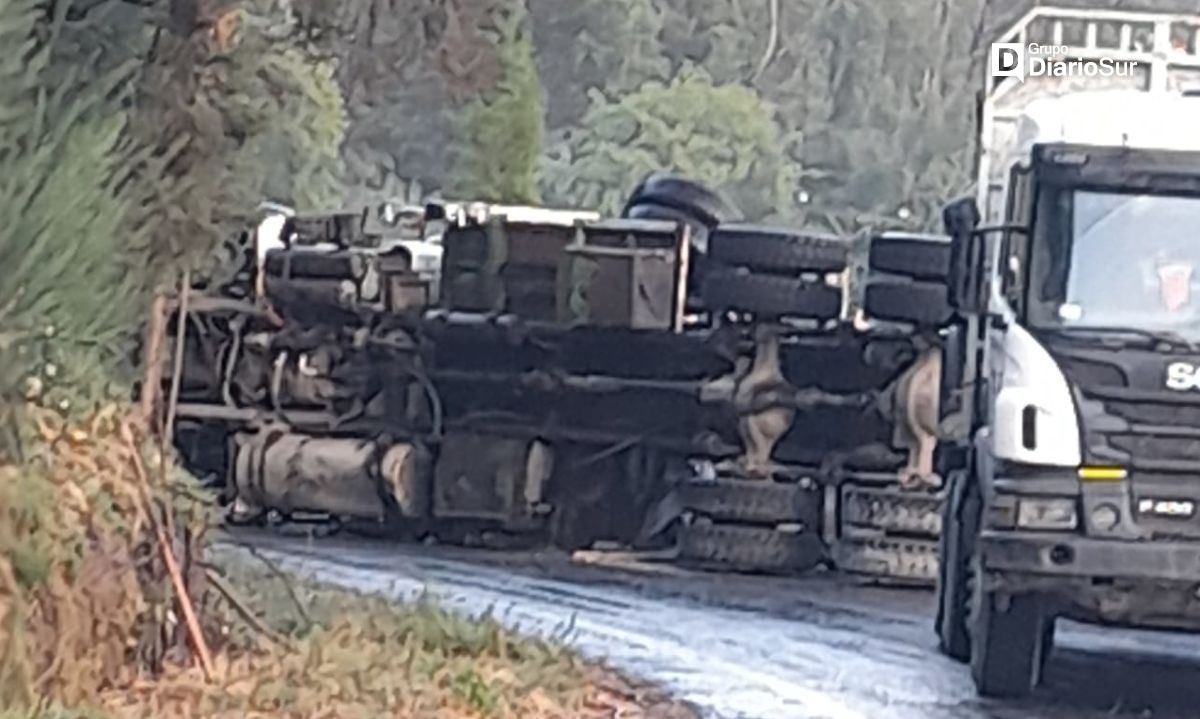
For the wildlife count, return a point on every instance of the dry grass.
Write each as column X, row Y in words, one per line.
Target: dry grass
column 381, row 658
column 83, row 604
column 89, row 619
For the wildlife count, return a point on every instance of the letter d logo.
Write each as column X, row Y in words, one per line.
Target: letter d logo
column 1008, row 60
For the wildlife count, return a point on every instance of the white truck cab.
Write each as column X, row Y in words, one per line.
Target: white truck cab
column 1074, row 470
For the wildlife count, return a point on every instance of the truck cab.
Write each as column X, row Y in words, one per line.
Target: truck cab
column 1074, row 454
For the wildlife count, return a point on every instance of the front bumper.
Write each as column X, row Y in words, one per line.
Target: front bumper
column 1072, row 555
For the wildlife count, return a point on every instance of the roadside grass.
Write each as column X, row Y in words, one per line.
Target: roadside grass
column 91, row 626
column 382, row 657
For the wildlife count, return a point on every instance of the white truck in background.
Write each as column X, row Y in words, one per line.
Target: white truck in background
column 1070, row 400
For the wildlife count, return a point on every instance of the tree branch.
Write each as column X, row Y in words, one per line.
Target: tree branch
column 772, row 43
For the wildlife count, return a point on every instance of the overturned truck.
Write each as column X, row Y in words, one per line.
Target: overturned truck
column 760, row 398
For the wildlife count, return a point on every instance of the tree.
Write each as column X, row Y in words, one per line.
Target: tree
column 158, row 138
column 584, row 45
column 405, row 67
column 285, row 107
column 499, row 141
column 236, row 109
column 888, row 110
column 68, row 292
column 728, row 38
column 724, row 135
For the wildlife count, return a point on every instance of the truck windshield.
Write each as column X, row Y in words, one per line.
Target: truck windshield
column 1131, row 262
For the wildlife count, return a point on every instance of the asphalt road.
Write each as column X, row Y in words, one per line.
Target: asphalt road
column 762, row 648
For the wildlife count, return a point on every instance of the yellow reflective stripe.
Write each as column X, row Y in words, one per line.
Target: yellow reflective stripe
column 1103, row 474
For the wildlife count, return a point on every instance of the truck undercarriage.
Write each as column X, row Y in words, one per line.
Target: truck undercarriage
column 583, row 382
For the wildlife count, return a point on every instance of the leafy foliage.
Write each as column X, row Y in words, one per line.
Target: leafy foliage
column 404, row 68
column 151, row 148
column 586, row 45
column 726, row 136
column 893, row 139
column 495, row 157
column 881, row 93
column 234, row 115
column 289, row 110
column 67, row 293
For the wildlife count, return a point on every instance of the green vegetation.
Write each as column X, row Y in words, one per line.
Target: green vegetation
column 415, row 658
column 67, row 298
column 869, row 105
column 722, row 135
column 499, row 141
column 90, row 625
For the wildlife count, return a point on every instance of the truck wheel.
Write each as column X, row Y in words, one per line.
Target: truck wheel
column 753, row 501
column 1006, row 647
column 679, row 193
column 921, row 257
column 747, row 548
column 777, row 250
column 770, row 296
column 901, row 300
column 960, row 520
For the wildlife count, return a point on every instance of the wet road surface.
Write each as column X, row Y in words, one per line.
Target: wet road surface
column 762, row 648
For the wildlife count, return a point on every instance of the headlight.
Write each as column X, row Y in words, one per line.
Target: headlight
column 1047, row 513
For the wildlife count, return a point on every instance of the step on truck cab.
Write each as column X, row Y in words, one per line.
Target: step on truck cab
column 1071, row 396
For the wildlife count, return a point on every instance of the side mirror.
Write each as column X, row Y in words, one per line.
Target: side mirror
column 966, row 284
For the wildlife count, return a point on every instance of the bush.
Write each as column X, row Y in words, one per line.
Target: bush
column 68, row 292
column 495, row 158
column 723, row 135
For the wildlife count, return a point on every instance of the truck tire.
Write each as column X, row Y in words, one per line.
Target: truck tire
column 960, row 522
column 753, row 502
column 921, row 257
column 750, row 549
column 1006, row 646
column 770, row 296
column 777, row 250
column 310, row 265
column 680, row 193
column 920, row 303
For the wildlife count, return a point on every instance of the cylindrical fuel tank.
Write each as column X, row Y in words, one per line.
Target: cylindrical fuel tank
column 289, row 472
